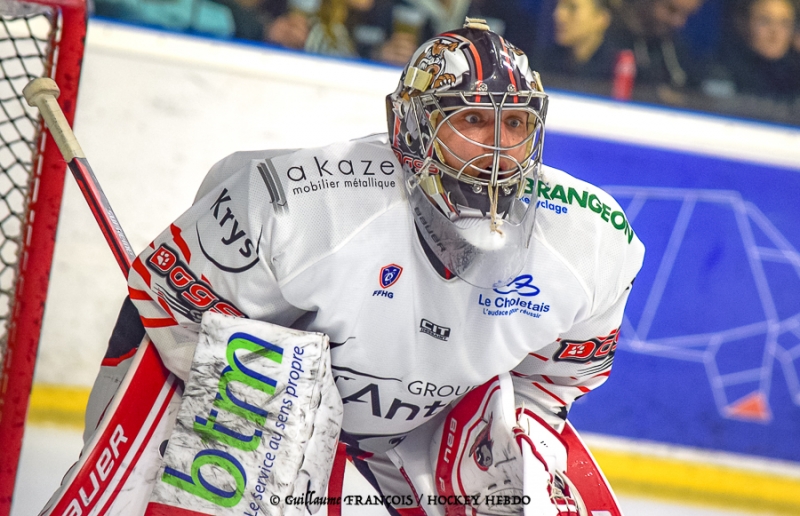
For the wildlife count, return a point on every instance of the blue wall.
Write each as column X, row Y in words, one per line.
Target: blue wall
column 710, row 347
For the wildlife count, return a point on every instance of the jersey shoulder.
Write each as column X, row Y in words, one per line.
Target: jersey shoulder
column 305, row 203
column 589, row 231
column 586, row 206
column 230, row 164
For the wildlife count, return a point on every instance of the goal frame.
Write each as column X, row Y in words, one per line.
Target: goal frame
column 38, row 235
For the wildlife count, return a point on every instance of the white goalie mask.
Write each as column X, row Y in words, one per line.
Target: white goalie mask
column 467, row 123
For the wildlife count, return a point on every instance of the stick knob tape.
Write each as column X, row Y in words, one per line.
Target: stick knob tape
column 42, row 93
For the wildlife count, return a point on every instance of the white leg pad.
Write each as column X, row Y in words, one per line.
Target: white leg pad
column 258, row 423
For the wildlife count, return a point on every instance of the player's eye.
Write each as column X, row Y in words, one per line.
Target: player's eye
column 472, row 118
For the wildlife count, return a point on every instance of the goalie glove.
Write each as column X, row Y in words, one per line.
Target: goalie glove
column 487, row 458
column 476, row 461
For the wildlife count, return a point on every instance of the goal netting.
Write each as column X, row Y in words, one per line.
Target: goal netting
column 42, row 39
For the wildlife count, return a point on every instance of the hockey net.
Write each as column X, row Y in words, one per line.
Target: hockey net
column 42, row 39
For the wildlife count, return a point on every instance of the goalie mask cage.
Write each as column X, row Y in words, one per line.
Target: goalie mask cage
column 41, row 39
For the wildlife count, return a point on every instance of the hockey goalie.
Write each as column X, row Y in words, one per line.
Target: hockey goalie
column 411, row 301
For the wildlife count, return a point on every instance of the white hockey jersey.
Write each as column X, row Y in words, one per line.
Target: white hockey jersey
column 323, row 240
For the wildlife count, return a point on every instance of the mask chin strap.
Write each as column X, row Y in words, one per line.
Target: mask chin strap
column 495, row 222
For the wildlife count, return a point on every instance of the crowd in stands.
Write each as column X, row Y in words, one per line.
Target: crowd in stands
column 688, row 53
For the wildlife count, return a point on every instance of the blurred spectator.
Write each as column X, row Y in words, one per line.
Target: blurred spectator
column 290, row 28
column 194, row 16
column 333, row 27
column 651, row 28
column 796, row 41
column 511, row 19
column 762, row 61
column 580, row 47
column 331, row 31
column 284, row 22
column 407, row 31
column 369, row 28
column 249, row 16
column 414, row 21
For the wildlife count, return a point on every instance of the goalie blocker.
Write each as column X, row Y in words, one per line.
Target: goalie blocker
column 485, row 456
column 259, row 419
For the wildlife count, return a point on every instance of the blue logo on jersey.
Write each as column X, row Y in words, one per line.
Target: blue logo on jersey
column 389, row 275
column 521, row 285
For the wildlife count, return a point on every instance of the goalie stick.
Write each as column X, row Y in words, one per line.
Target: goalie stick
column 111, row 471
column 42, row 93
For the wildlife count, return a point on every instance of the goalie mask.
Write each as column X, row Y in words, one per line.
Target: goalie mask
column 467, row 123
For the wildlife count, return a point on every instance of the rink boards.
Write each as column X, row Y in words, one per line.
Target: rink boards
column 709, row 352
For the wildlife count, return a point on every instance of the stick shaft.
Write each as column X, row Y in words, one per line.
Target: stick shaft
column 42, row 93
column 103, row 214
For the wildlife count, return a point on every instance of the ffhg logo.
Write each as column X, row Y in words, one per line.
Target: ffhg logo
column 389, row 275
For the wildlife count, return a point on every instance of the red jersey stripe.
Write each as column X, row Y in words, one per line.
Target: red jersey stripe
column 112, row 362
column 180, row 242
column 161, row 322
column 538, row 386
column 141, row 270
column 139, row 295
column 166, row 308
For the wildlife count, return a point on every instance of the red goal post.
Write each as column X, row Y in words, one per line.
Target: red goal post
column 42, row 38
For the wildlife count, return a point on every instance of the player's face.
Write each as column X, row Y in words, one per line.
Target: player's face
column 771, row 25
column 470, row 133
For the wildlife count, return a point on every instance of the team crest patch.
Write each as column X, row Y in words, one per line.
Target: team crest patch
column 592, row 350
column 389, row 275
